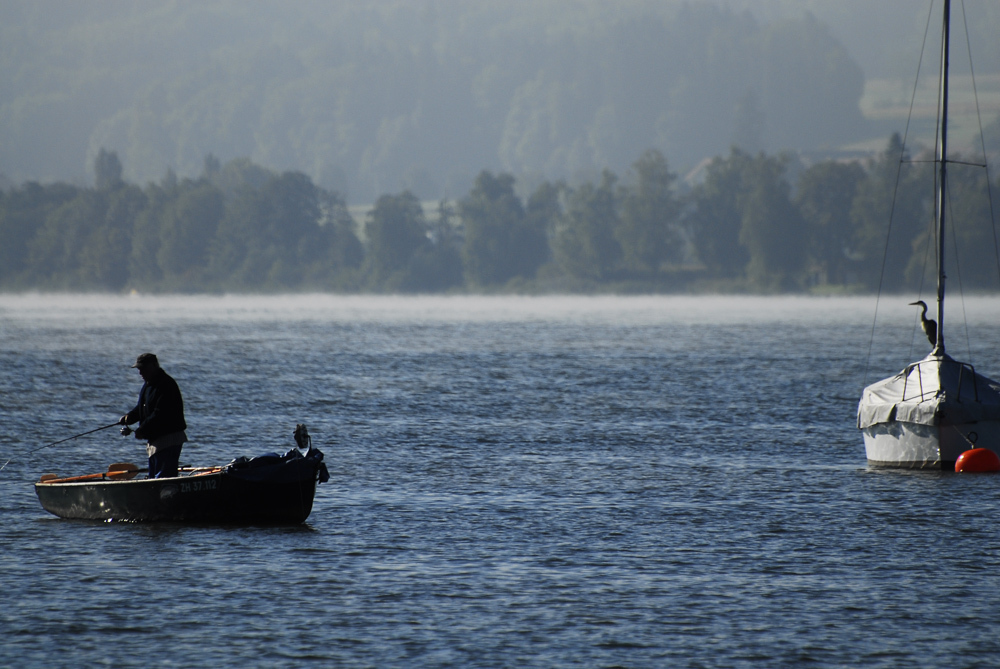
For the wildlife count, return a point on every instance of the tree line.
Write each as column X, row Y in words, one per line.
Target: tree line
column 385, row 95
column 751, row 223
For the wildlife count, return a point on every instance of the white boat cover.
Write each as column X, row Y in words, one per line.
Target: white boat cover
column 937, row 390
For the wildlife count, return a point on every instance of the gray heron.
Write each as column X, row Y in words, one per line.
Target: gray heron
column 929, row 325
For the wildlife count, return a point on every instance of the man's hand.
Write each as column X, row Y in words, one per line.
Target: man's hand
column 123, row 420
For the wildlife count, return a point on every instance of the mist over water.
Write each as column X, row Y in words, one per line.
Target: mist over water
column 647, row 481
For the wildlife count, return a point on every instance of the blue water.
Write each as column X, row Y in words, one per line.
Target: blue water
column 636, row 482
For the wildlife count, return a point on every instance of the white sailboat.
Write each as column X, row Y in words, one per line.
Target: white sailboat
column 936, row 408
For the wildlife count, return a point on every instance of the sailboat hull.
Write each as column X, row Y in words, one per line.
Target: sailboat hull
column 905, row 445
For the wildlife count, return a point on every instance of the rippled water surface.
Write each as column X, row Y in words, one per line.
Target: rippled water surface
column 640, row 482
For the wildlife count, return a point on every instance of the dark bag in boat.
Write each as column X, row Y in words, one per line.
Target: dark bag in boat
column 279, row 467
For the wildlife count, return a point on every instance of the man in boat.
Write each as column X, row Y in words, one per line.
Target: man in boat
column 160, row 413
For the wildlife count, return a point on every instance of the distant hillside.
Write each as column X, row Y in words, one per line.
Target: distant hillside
column 374, row 97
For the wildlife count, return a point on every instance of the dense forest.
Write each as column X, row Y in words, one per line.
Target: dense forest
column 518, row 145
column 390, row 95
column 753, row 222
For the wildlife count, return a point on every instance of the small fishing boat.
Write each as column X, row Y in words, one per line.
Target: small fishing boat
column 269, row 489
column 935, row 409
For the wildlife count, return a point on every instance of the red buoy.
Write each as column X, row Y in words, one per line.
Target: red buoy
column 978, row 460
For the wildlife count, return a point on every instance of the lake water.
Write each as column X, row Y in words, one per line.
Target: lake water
column 594, row 482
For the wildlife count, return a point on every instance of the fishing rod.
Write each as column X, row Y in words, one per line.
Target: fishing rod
column 96, row 429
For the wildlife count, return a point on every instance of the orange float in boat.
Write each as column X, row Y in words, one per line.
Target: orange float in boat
column 978, row 460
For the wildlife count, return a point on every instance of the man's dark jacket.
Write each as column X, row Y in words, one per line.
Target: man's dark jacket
column 160, row 409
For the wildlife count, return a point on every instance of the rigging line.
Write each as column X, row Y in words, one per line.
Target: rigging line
column 895, row 190
column 950, row 162
column 885, row 254
column 923, row 275
column 982, row 141
column 993, row 219
column 958, row 273
column 939, row 129
column 931, row 238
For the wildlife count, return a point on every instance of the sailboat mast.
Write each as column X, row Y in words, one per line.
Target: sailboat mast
column 942, row 174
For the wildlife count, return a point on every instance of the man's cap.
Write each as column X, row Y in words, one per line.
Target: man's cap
column 146, row 359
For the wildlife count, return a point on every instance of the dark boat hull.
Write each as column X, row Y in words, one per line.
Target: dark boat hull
column 282, row 495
